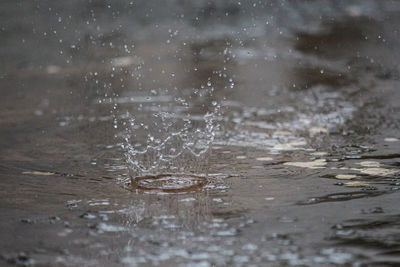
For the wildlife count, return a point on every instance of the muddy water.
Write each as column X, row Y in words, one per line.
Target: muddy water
column 304, row 168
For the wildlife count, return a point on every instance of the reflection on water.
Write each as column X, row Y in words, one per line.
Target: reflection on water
column 276, row 122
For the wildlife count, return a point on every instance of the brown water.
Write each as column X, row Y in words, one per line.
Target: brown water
column 303, row 170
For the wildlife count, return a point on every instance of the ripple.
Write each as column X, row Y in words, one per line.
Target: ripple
column 169, row 183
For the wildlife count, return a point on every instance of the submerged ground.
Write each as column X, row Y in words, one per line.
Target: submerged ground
column 304, row 168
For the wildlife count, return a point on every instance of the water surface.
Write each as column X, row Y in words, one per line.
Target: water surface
column 301, row 160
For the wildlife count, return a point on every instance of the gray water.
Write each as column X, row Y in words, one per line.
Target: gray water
column 286, row 114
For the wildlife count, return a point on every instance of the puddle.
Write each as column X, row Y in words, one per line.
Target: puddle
column 292, row 108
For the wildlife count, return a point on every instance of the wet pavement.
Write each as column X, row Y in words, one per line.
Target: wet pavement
column 207, row 133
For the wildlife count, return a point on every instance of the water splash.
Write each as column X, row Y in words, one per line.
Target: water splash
column 167, row 131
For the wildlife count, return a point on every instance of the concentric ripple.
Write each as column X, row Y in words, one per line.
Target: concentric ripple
column 168, row 183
